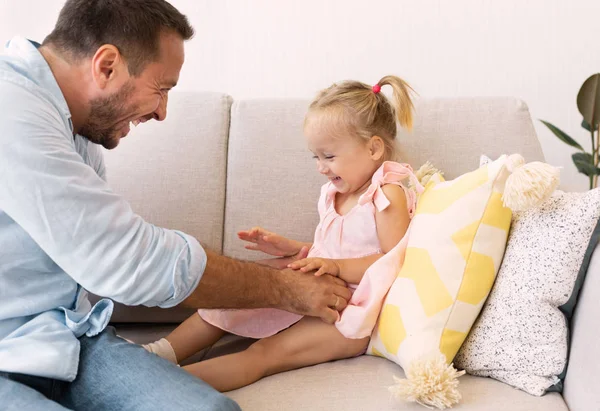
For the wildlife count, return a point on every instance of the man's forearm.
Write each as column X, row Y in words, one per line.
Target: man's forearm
column 230, row 283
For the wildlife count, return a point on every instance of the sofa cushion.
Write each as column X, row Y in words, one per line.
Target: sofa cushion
column 272, row 180
column 453, row 132
column 353, row 384
column 361, row 384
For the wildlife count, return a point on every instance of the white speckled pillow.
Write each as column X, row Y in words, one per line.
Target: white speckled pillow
column 521, row 336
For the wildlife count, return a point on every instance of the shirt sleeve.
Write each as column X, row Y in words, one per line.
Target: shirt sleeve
column 89, row 231
column 96, row 159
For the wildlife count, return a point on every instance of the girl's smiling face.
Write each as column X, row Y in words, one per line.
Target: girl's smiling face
column 348, row 161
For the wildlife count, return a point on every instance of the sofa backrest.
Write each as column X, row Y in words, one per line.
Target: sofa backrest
column 173, row 172
column 213, row 168
column 272, row 179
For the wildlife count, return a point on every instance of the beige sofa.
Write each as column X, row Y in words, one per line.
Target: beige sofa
column 217, row 166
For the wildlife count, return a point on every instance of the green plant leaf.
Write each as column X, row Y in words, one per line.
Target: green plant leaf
column 585, row 164
column 562, row 135
column 588, row 99
column 587, row 126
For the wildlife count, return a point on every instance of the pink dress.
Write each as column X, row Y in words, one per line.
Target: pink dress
column 352, row 235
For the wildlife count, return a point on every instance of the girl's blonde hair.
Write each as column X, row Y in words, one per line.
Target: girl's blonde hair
column 362, row 110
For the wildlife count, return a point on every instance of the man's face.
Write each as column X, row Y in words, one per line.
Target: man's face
column 140, row 99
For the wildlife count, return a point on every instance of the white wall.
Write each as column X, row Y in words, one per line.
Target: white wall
column 538, row 50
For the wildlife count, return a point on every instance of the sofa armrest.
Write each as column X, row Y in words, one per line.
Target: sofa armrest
column 580, row 391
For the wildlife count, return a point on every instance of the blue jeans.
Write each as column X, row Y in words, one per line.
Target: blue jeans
column 113, row 375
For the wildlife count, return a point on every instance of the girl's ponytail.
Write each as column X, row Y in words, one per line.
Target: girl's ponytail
column 403, row 104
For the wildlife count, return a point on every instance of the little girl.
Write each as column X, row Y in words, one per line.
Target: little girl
column 364, row 212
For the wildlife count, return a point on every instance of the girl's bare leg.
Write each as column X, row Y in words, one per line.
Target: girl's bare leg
column 193, row 335
column 306, row 343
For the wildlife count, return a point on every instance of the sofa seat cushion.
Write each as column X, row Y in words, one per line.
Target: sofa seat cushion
column 353, row 384
column 361, row 384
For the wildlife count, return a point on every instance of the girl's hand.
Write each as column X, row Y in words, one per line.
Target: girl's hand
column 283, row 262
column 270, row 243
column 322, row 265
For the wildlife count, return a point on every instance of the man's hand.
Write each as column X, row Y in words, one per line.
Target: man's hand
column 320, row 265
column 229, row 283
column 270, row 243
column 318, row 296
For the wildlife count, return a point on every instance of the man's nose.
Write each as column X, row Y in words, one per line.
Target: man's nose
column 161, row 111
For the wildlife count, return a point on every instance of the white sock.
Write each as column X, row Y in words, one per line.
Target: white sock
column 163, row 349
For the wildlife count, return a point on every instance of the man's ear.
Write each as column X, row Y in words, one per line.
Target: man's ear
column 376, row 147
column 109, row 68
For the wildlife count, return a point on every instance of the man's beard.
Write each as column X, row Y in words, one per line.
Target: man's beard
column 100, row 127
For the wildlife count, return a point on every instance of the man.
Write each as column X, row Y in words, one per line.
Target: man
column 63, row 231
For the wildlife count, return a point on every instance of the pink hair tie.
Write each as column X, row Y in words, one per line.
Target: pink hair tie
column 376, row 88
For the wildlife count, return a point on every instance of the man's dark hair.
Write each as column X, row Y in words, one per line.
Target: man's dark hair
column 133, row 26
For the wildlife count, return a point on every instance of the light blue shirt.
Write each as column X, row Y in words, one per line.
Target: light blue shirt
column 64, row 231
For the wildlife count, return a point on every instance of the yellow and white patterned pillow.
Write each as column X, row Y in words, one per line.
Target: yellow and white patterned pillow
column 455, row 246
column 456, row 243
